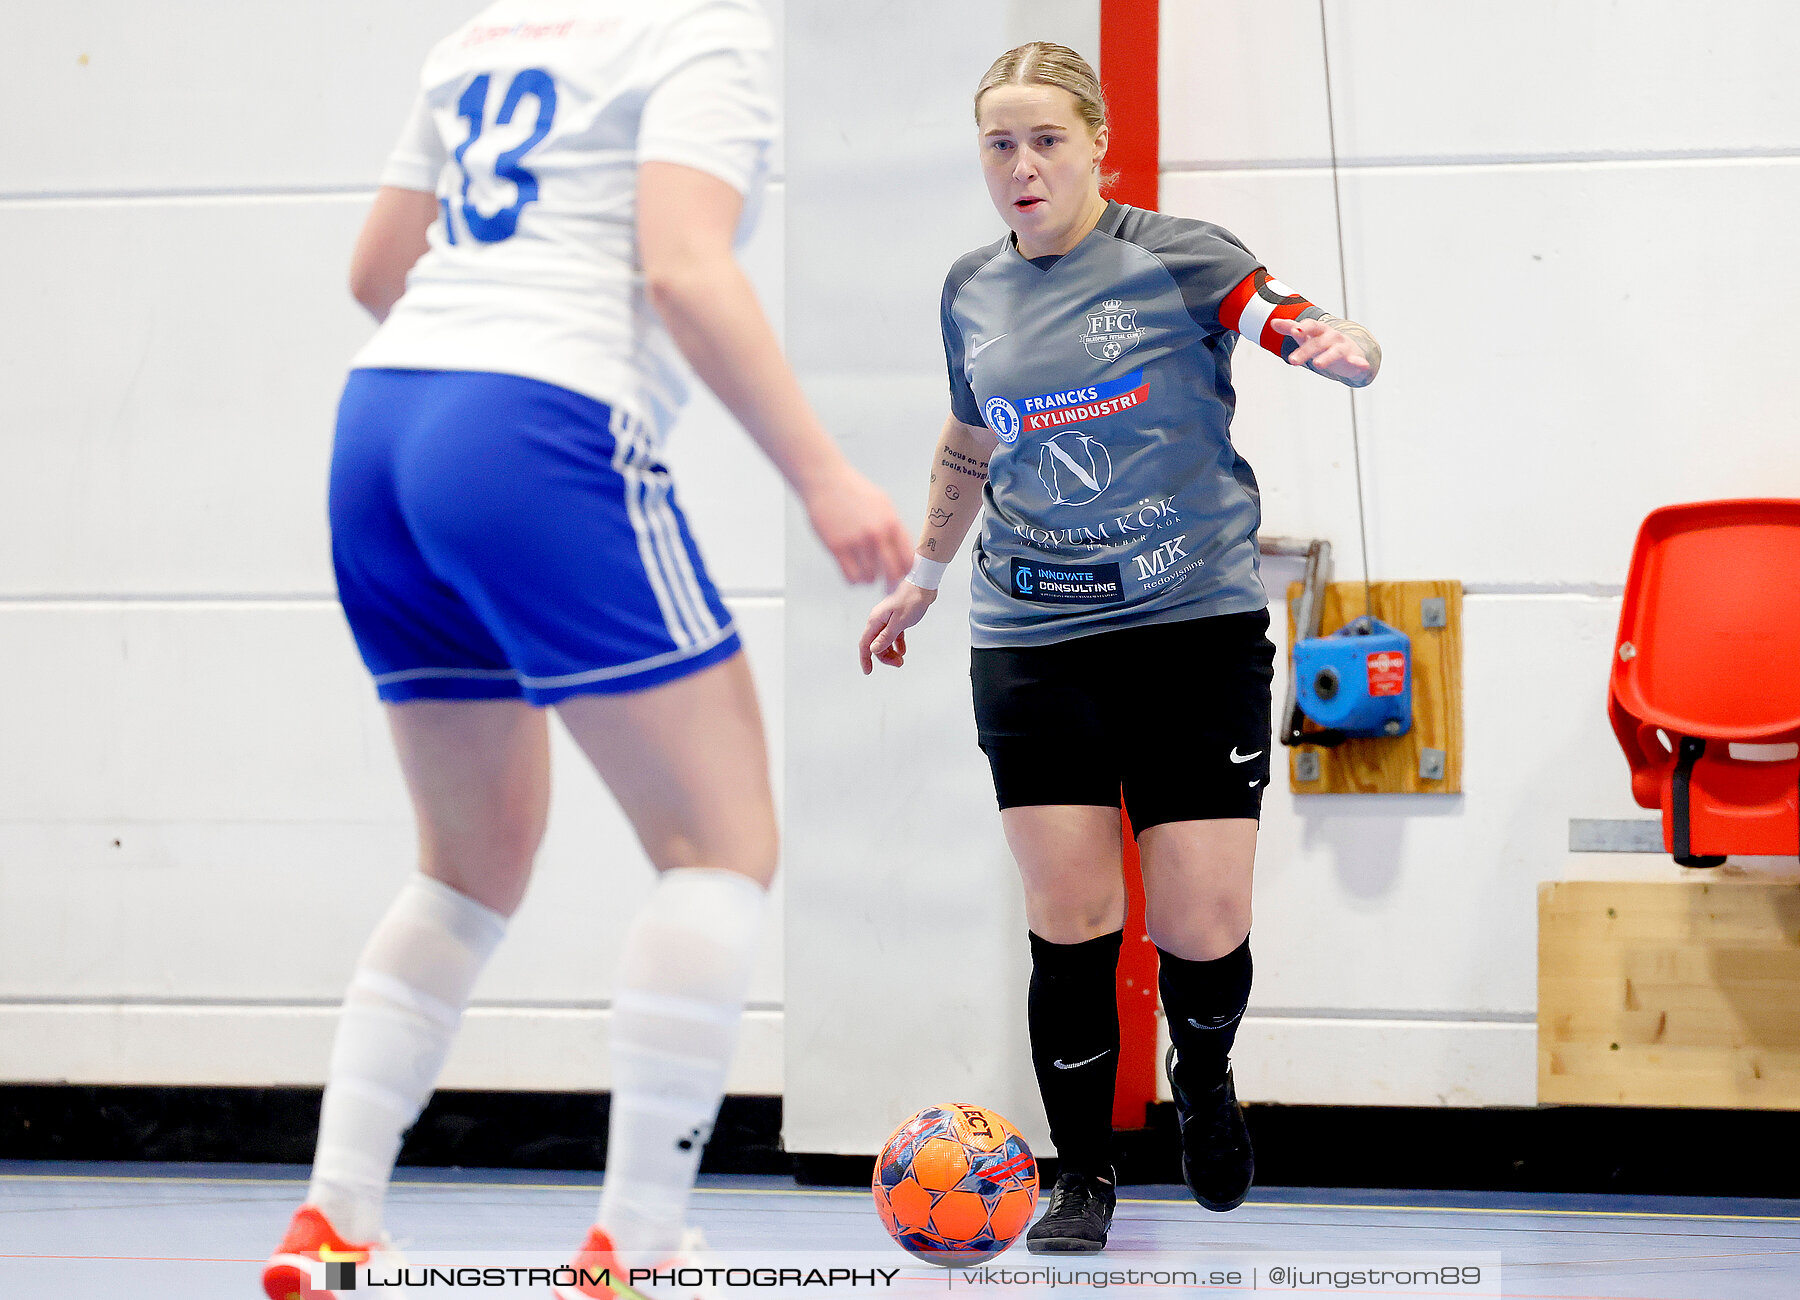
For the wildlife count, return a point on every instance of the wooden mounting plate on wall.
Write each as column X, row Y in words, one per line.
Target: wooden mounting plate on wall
column 1392, row 766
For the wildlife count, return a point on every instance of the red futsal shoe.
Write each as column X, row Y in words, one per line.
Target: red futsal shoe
column 313, row 1249
column 600, row 1275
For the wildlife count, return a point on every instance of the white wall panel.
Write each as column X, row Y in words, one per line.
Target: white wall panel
column 214, row 813
column 202, row 818
column 731, row 493
column 524, row 1049
column 1560, row 359
column 1241, row 81
column 1293, row 427
column 1427, row 904
column 209, row 94
column 1553, row 368
column 216, row 94
column 1414, row 79
column 172, row 371
column 907, row 950
column 1352, row 1060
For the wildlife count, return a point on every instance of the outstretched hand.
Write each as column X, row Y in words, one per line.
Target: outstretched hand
column 1326, row 349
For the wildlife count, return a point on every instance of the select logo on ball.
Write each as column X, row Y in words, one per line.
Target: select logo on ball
column 955, row 1185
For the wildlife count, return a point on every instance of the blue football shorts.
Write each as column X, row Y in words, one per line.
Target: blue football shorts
column 496, row 537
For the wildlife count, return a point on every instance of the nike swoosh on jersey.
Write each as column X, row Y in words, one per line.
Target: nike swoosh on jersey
column 1078, row 1064
column 1242, row 758
column 985, row 344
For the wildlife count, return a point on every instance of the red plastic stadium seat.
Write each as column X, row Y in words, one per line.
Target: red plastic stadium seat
column 1705, row 696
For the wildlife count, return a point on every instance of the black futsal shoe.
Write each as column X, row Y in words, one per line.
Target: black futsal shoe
column 1081, row 1210
column 1216, row 1160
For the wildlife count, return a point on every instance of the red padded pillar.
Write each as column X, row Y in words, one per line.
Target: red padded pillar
column 1128, row 72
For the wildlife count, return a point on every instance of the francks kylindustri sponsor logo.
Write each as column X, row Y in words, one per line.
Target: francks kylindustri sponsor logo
column 1008, row 418
column 1112, row 330
column 1084, row 405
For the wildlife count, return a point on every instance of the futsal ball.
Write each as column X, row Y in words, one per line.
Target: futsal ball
column 955, row 1185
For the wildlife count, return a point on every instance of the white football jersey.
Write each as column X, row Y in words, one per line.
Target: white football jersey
column 530, row 124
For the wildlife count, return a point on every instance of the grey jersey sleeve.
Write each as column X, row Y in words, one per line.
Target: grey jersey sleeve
column 1222, row 284
column 962, row 397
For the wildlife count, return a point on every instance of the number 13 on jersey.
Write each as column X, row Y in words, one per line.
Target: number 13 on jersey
column 508, row 166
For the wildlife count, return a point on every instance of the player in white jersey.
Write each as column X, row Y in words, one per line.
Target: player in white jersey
column 554, row 232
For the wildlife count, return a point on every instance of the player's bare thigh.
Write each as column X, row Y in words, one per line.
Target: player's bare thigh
column 478, row 772
column 1070, row 859
column 688, row 764
column 1197, row 880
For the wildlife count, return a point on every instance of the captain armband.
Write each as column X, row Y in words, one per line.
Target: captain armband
column 1257, row 300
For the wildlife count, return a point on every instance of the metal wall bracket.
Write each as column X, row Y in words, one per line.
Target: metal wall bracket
column 1431, row 764
column 1306, row 615
column 1432, row 612
column 1306, row 765
column 1614, row 835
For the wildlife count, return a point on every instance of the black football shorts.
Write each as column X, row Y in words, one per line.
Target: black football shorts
column 1174, row 716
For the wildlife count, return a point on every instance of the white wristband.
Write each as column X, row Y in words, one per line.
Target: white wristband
column 926, row 574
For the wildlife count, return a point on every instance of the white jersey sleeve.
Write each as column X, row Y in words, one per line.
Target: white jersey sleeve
column 419, row 154
column 712, row 108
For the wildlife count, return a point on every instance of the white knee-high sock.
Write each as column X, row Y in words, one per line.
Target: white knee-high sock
column 405, row 1002
column 682, row 981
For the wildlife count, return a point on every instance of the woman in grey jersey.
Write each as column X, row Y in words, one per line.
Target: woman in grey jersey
column 1116, row 608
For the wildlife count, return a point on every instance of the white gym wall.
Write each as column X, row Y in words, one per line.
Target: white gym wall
column 907, row 956
column 1542, row 204
column 1555, row 219
column 200, row 814
column 1560, row 220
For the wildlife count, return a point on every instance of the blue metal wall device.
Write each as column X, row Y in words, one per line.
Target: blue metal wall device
column 1356, row 682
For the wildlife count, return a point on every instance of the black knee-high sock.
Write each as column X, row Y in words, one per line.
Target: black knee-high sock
column 1073, row 1012
column 1204, row 1001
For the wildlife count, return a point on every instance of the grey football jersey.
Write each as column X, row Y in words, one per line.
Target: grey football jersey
column 1114, row 496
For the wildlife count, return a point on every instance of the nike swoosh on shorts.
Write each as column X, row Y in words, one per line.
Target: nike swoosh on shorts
column 1078, row 1064
column 1242, row 758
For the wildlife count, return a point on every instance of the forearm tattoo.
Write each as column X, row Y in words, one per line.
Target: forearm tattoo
column 957, row 463
column 1360, row 336
column 955, row 460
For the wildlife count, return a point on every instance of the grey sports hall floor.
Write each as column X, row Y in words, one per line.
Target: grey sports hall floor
column 145, row 1232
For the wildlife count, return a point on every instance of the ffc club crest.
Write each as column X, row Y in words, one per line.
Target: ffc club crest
column 1112, row 330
